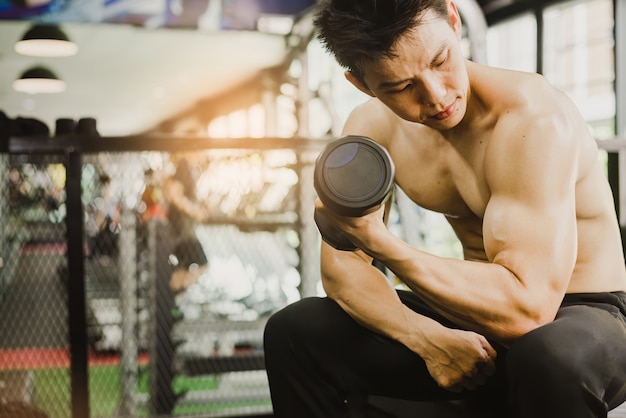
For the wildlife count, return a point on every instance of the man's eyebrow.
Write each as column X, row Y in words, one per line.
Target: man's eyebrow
column 440, row 51
column 391, row 84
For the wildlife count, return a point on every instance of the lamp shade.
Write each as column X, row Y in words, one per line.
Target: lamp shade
column 38, row 80
column 43, row 40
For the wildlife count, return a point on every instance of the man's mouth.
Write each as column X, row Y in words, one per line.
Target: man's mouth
column 446, row 112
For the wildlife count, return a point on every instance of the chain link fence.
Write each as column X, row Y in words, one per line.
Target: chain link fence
column 175, row 309
column 34, row 360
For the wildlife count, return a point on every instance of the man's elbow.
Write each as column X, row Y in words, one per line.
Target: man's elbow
column 524, row 323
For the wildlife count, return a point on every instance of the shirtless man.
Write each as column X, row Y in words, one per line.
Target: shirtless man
column 532, row 321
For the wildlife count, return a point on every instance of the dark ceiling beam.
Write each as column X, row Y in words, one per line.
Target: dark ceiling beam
column 499, row 10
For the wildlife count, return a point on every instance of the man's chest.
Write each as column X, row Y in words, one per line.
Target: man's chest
column 444, row 180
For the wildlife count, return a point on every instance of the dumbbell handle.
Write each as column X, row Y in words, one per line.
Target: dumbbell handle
column 333, row 236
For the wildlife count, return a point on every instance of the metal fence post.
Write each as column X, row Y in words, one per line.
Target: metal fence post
column 76, row 285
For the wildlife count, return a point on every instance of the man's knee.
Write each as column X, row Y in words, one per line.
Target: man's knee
column 563, row 350
column 295, row 321
column 548, row 375
column 552, row 360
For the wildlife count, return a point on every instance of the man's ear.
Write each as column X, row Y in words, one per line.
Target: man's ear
column 358, row 83
column 455, row 19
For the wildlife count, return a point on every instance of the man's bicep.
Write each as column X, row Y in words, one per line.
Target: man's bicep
column 530, row 220
column 534, row 241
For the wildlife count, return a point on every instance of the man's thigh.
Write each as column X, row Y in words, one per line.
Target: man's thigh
column 582, row 347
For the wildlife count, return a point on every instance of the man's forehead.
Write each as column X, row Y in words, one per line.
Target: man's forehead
column 424, row 42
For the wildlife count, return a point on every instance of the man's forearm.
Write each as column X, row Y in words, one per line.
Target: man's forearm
column 484, row 297
column 366, row 295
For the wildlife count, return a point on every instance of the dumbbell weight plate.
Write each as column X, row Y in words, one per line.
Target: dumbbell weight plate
column 353, row 174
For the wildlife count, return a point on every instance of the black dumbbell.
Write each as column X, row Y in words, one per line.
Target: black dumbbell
column 352, row 175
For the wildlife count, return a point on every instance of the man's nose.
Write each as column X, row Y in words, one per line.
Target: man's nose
column 433, row 91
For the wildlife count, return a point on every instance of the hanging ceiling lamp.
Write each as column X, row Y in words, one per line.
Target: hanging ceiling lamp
column 43, row 40
column 37, row 80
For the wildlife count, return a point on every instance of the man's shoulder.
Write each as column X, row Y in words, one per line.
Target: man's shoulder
column 372, row 110
column 522, row 102
column 519, row 91
column 530, row 113
column 372, row 119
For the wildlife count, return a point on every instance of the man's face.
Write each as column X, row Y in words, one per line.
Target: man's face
column 427, row 81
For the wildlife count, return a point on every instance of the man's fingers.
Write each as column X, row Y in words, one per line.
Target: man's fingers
column 488, row 367
column 469, row 385
column 481, row 378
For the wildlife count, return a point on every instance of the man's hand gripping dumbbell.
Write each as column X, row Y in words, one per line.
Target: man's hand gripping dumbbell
column 353, row 175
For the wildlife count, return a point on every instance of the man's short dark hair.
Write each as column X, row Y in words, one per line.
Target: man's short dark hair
column 358, row 32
